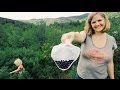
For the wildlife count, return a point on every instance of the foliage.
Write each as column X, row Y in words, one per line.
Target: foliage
column 4, row 74
column 33, row 44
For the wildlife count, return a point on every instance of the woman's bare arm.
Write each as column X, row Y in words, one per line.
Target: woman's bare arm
column 110, row 68
column 74, row 36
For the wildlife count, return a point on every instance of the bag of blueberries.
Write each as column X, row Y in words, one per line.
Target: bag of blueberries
column 64, row 55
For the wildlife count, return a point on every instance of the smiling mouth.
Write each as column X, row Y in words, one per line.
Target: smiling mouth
column 100, row 26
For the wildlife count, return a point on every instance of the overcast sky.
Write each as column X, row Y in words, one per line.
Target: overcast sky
column 37, row 15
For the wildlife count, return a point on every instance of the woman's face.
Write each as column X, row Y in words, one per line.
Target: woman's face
column 98, row 23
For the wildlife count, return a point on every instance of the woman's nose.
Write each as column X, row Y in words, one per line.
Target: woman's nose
column 97, row 23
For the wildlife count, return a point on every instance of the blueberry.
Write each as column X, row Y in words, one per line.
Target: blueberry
column 64, row 64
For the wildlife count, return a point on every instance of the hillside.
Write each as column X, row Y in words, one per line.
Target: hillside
column 113, row 14
column 49, row 21
column 80, row 18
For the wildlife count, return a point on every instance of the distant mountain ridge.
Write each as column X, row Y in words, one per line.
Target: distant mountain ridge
column 49, row 21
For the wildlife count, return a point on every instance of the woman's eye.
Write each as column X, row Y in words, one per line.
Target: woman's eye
column 93, row 22
column 99, row 20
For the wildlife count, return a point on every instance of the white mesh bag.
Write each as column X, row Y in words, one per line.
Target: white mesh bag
column 64, row 55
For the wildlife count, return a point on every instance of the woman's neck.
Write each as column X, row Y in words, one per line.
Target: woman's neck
column 99, row 34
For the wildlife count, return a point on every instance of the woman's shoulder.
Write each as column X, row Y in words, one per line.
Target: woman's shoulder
column 113, row 41
column 111, row 37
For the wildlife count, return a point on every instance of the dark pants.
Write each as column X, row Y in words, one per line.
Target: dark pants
column 78, row 77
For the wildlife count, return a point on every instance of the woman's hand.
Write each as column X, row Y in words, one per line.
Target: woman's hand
column 67, row 37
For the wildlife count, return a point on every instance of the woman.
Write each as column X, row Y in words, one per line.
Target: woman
column 20, row 68
column 97, row 48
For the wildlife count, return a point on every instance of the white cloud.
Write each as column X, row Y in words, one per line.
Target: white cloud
column 37, row 15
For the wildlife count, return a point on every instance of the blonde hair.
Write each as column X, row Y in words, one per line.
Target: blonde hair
column 19, row 61
column 88, row 27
